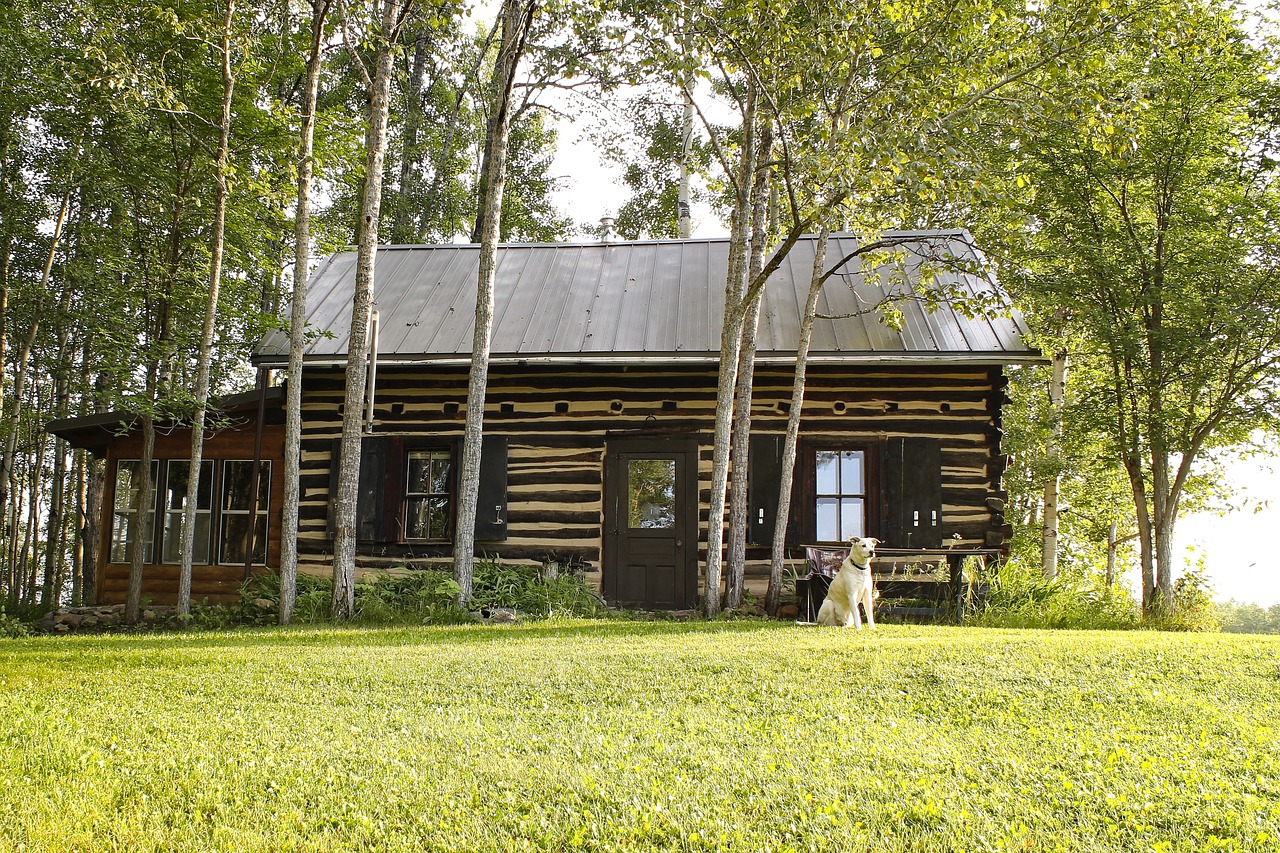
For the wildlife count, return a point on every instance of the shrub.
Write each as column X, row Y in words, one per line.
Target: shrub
column 1193, row 608
column 11, row 627
column 1020, row 597
column 548, row 590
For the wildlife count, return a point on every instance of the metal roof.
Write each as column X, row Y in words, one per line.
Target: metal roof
column 658, row 301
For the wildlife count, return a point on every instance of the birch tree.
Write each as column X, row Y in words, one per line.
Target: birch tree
column 221, row 170
column 1155, row 236
column 385, row 32
column 298, row 313
column 516, row 17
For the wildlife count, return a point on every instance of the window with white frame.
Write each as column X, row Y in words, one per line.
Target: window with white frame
column 428, row 494
column 840, row 494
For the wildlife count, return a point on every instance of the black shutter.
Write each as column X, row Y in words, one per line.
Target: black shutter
column 335, row 456
column 373, row 477
column 491, row 498
column 764, row 476
column 913, row 493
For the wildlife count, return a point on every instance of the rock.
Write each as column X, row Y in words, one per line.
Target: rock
column 62, row 627
column 148, row 616
column 69, row 618
column 501, row 615
column 89, row 621
column 788, row 611
column 264, row 604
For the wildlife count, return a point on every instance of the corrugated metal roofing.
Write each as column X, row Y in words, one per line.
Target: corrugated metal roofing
column 659, row 300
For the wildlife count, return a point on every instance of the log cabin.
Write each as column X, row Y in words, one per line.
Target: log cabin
column 598, row 417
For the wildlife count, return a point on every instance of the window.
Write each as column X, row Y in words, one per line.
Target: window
column 175, row 500
column 236, row 496
column 840, row 494
column 651, row 494
column 128, row 483
column 428, row 494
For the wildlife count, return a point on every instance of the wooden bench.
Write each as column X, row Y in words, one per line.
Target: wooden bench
column 931, row 577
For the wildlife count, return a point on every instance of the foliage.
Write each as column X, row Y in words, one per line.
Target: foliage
column 1151, row 251
column 1249, row 618
column 11, row 627
column 533, row 590
column 1193, row 608
column 1020, row 597
column 645, row 736
column 419, row 596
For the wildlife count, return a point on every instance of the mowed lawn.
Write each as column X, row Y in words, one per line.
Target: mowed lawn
column 630, row 735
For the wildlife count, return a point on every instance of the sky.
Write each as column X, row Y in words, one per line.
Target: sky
column 1239, row 559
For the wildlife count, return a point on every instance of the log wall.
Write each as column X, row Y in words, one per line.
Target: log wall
column 558, row 421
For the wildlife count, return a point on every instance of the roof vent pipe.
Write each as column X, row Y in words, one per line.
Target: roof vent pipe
column 606, row 228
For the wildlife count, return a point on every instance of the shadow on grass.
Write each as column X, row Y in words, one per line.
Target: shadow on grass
column 378, row 636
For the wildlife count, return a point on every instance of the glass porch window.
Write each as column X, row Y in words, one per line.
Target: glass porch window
column 428, row 494
column 175, row 500
column 236, row 495
column 841, row 495
column 128, row 482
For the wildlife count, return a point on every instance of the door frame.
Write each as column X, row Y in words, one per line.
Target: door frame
column 685, row 449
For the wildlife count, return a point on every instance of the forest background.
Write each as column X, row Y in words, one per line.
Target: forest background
column 1115, row 161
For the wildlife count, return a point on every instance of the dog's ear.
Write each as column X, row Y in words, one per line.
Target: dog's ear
column 873, row 540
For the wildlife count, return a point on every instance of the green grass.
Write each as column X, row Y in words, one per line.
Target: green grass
column 621, row 735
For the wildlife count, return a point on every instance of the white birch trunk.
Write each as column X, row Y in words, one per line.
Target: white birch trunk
column 778, row 553
column 740, row 454
column 298, row 321
column 344, row 532
column 220, row 170
column 515, row 22
column 1049, row 543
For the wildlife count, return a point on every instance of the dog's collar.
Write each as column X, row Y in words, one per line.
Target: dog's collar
column 863, row 568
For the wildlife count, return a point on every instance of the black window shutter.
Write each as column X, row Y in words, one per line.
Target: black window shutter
column 370, row 505
column 913, row 493
column 764, row 476
column 335, row 456
column 393, row 489
column 491, row 498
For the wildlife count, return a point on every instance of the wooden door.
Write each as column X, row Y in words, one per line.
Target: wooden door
column 650, row 530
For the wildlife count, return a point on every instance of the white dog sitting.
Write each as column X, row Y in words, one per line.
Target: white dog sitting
column 853, row 585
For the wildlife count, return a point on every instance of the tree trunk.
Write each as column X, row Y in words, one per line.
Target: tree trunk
column 51, row 589
column 205, row 357
column 138, row 522
column 1057, row 390
column 740, row 452
column 298, row 319
column 24, row 356
column 515, row 26
column 1112, row 545
column 778, row 554
column 344, row 536
column 730, row 348
column 684, row 210
column 402, row 224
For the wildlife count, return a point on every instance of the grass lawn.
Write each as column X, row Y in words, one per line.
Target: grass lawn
column 627, row 735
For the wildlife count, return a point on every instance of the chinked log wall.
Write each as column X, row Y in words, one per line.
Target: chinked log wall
column 558, row 420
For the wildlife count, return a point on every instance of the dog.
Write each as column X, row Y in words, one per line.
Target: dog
column 853, row 585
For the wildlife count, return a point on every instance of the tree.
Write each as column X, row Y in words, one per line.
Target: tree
column 386, row 32
column 1155, row 200
column 298, row 313
column 517, row 17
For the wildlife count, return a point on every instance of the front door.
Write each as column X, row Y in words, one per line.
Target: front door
column 650, row 523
